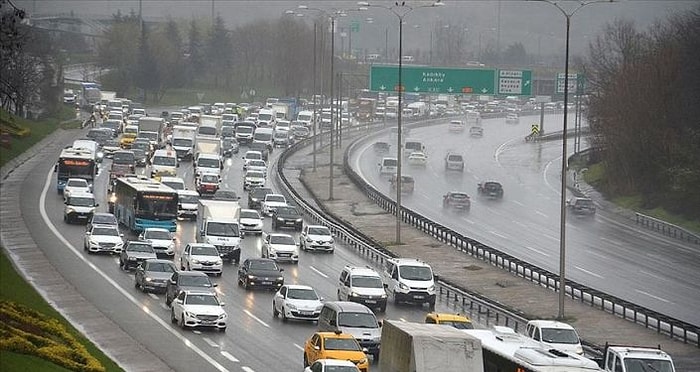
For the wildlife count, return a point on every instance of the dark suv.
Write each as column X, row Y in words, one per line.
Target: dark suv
column 456, row 200
column 490, row 189
column 581, row 206
column 185, row 281
column 256, row 196
column 287, row 217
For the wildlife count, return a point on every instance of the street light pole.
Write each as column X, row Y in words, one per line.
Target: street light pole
column 562, row 200
column 400, row 90
column 313, row 123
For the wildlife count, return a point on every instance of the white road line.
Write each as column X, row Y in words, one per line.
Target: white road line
column 403, row 319
column 537, row 251
column 247, row 369
column 230, row 357
column 541, row 214
column 299, row 347
column 544, row 176
column 652, row 296
column 197, row 332
column 598, row 255
column 114, row 284
column 519, row 223
column 153, row 296
column 551, row 237
column 610, row 241
column 518, row 203
column 497, row 234
column 317, row 271
column 469, row 221
column 653, row 275
column 210, row 342
column 589, row 272
column 256, row 318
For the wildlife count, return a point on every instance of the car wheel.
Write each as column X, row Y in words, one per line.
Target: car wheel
column 396, row 299
column 223, row 329
column 172, row 316
column 275, row 313
column 182, row 322
column 383, row 309
column 284, row 315
column 246, row 285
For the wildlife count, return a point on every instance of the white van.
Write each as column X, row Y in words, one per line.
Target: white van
column 456, row 126
column 411, row 146
column 388, row 166
column 554, row 335
column 164, row 163
column 263, row 135
column 410, row 280
column 266, row 118
column 355, row 319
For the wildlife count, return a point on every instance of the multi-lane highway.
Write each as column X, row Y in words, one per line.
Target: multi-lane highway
column 603, row 253
column 254, row 341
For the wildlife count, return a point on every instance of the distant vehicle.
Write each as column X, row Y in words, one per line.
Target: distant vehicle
column 79, row 206
column 581, row 206
column 134, row 253
column 153, row 275
column 260, row 273
column 407, row 183
column 250, row 221
column 454, row 161
column 103, row 238
column 476, row 131
column 388, row 166
column 552, row 334
column 299, row 302
column 457, row 200
column 287, row 216
column 456, row 126
column 381, row 148
column 161, row 240
column 316, row 238
column 512, row 119
column 331, row 345
column 280, row 247
column 491, row 189
column 201, row 257
column 418, row 158
column 272, row 202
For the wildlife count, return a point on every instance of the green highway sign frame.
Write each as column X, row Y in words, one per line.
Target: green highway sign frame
column 515, row 82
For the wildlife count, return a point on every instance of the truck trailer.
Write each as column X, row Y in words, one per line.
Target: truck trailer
column 217, row 224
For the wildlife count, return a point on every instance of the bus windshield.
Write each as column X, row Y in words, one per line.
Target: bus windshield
column 157, row 206
column 76, row 168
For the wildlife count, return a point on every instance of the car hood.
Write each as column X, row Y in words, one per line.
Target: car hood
column 160, row 242
column 158, row 275
column 323, row 238
column 204, row 309
column 374, row 292
column 106, row 239
column 306, row 305
column 283, row 248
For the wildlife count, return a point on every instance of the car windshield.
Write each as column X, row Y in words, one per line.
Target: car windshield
column 357, row 320
column 458, row 324
column 244, row 129
column 207, row 131
column 210, row 178
column 167, row 161
column 416, row 273
column 263, row 265
column 139, row 153
column 81, row 201
column 342, row 344
column 207, row 163
column 77, row 183
column 367, row 282
column 160, row 267
column 257, row 163
column 454, row 158
column 201, row 299
column 413, row 145
column 123, row 157
column 222, row 229
column 584, row 203
column 559, row 336
column 250, row 214
column 282, row 240
column 157, row 235
column 182, row 142
column 255, row 174
column 647, row 365
column 492, row 185
column 250, row 155
column 204, row 251
column 195, row 281
column 175, row 185
column 459, row 196
column 390, row 162
column 275, row 198
column 104, row 218
column 302, row 294
column 188, row 199
column 289, row 211
column 137, row 247
column 319, row 231
column 105, row 231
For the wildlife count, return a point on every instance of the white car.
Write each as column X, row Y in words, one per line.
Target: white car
column 256, row 165
column 175, row 183
column 335, row 365
column 251, row 155
column 162, row 241
column 280, row 247
column 512, row 119
column 103, row 238
column 198, row 309
column 418, row 158
column 271, row 202
column 76, row 185
column 253, row 179
column 299, row 302
column 79, row 206
column 456, row 126
column 201, row 257
column 316, row 238
column 476, row 131
column 250, row 221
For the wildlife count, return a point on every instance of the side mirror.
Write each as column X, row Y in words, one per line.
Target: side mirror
column 88, row 233
column 281, row 269
column 386, row 286
column 380, row 323
column 222, row 304
column 97, row 205
column 215, row 284
column 121, row 235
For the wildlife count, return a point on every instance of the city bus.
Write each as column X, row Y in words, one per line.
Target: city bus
column 75, row 163
column 504, row 350
column 140, row 203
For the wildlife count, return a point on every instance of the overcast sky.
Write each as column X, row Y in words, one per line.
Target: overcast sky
column 537, row 25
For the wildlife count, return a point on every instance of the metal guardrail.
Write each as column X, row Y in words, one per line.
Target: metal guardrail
column 666, row 228
column 471, row 302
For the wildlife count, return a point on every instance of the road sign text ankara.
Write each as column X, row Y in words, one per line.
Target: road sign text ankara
column 432, row 79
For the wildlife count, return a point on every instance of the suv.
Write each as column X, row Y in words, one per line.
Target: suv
column 454, row 162
column 410, row 280
column 187, row 280
column 256, row 196
column 287, row 216
column 457, row 200
column 554, row 335
column 491, row 189
column 363, row 285
column 581, row 206
column 79, row 206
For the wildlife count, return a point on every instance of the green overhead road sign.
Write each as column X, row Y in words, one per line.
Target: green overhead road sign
column 515, row 82
column 418, row 79
column 576, row 83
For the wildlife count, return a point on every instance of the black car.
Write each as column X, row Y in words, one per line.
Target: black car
column 225, row 194
column 581, row 206
column 457, row 200
column 490, row 189
column 101, row 218
column 134, row 253
column 284, row 217
column 260, row 273
column 187, row 281
column 381, row 148
column 256, row 196
column 229, row 146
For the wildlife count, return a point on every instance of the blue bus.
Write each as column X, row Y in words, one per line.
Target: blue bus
column 75, row 163
column 140, row 203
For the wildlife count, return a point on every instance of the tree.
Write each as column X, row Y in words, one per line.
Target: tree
column 119, row 52
column 515, row 55
column 219, row 54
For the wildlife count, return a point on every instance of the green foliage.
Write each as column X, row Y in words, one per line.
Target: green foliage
column 10, row 361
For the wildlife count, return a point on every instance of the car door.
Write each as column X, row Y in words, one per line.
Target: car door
column 179, row 305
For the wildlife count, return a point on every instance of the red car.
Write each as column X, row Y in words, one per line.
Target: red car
column 207, row 184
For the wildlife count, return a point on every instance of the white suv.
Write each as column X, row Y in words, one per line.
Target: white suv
column 363, row 285
column 454, row 161
column 554, row 335
column 410, row 280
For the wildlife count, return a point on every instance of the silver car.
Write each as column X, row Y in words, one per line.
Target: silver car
column 153, row 275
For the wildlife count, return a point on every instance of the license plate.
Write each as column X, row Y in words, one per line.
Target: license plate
column 266, row 283
column 371, row 301
column 305, row 313
column 418, row 297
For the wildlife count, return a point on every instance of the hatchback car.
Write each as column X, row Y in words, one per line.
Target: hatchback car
column 250, row 221
column 101, row 218
column 153, row 275
column 280, row 247
column 456, row 200
column 253, row 179
column 454, row 161
column 299, row 302
column 316, row 238
column 332, row 345
column 581, row 206
column 134, row 253
column 490, row 189
column 260, row 273
column 418, row 159
column 77, row 185
column 201, row 257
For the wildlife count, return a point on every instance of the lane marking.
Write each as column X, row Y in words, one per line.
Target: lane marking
column 653, row 275
column 610, row 241
column 230, row 357
column 589, row 272
column 537, row 251
column 298, row 347
column 497, row 234
column 317, row 271
column 598, row 255
column 256, row 318
column 469, row 221
column 551, row 237
column 197, row 332
column 654, row 297
column 518, row 203
column 210, row 342
column 541, row 214
column 153, row 296
column 544, row 176
column 114, row 284
column 247, row 369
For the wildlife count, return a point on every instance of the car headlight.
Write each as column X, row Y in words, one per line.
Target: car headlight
column 119, row 244
column 363, row 361
column 195, row 261
column 298, row 220
column 403, row 286
column 291, row 306
column 148, row 279
column 131, row 258
column 431, row 288
column 353, row 294
column 70, row 210
column 251, row 277
column 113, row 198
column 308, row 239
column 280, row 219
column 93, row 242
column 280, row 278
column 189, row 314
column 219, row 262
column 579, row 350
column 223, row 316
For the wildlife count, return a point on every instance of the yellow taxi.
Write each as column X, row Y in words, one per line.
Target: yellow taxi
column 129, row 135
column 455, row 320
column 335, row 345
